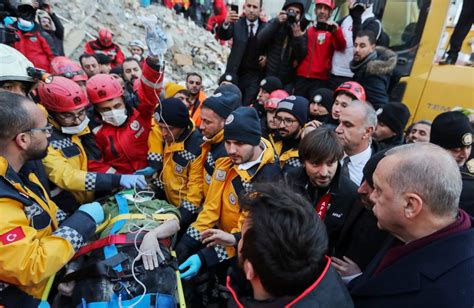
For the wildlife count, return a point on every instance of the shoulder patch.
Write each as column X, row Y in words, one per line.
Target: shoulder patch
column 220, row 175
column 470, row 165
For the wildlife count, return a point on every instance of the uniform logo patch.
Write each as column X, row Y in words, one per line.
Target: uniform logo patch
column 470, row 165
column 208, row 178
column 157, row 116
column 232, row 199
column 317, row 98
column 229, row 119
column 321, row 38
column 217, row 95
column 220, row 175
column 379, row 111
column 135, row 125
column 11, row 236
column 178, row 169
column 228, row 77
column 33, row 38
column 467, row 139
column 263, row 82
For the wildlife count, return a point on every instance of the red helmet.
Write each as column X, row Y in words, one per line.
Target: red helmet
column 62, row 95
column 105, row 37
column 274, row 98
column 353, row 88
column 103, row 87
column 329, row 3
column 63, row 66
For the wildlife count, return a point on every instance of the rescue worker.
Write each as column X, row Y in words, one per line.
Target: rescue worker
column 215, row 110
column 137, row 50
column 74, row 162
column 320, row 105
column 452, row 131
column 196, row 96
column 90, row 64
column 14, row 77
column 179, row 180
column 251, row 159
column 36, row 238
column 267, row 86
column 104, row 44
column 290, row 117
column 123, row 135
column 63, row 66
column 343, row 96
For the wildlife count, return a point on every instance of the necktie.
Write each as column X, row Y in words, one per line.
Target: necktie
column 251, row 34
column 345, row 166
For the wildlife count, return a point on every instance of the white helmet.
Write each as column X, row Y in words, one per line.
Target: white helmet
column 137, row 43
column 14, row 65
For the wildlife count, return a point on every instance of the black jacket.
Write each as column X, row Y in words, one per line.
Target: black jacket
column 373, row 73
column 277, row 41
column 238, row 31
column 438, row 275
column 343, row 196
column 327, row 291
column 466, row 202
column 360, row 239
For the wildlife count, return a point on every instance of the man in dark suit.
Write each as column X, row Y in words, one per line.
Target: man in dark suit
column 429, row 260
column 246, row 59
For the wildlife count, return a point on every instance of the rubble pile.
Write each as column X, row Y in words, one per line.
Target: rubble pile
column 191, row 48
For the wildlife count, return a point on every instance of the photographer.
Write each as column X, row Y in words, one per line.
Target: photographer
column 361, row 17
column 277, row 40
column 317, row 47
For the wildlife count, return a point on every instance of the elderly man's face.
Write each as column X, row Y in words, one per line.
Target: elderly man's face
column 388, row 204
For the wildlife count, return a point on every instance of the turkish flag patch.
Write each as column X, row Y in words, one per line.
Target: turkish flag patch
column 11, row 236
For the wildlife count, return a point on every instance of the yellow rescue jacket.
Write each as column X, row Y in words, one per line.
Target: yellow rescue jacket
column 288, row 159
column 221, row 206
column 33, row 247
column 213, row 151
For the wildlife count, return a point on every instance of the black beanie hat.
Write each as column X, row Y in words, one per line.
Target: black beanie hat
column 324, row 97
column 371, row 165
column 395, row 116
column 230, row 88
column 173, row 112
column 103, row 58
column 298, row 106
column 451, row 130
column 229, row 77
column 271, row 84
column 222, row 103
column 243, row 125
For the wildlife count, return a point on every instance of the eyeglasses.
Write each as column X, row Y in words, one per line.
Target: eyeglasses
column 286, row 121
column 48, row 129
column 71, row 116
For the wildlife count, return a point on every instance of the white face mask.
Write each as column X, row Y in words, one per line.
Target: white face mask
column 72, row 130
column 115, row 117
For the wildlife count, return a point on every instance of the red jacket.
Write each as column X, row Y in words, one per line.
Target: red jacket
column 220, row 12
column 114, row 52
column 320, row 47
column 35, row 48
column 126, row 147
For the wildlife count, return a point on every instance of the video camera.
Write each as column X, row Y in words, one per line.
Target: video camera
column 8, row 35
column 291, row 17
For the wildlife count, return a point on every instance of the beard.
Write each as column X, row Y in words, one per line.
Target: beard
column 36, row 153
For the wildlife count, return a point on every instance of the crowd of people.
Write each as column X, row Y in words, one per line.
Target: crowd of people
column 296, row 183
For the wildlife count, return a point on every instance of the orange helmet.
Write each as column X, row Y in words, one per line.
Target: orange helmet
column 62, row 95
column 105, row 37
column 63, row 66
column 329, row 3
column 352, row 88
column 274, row 98
column 103, row 87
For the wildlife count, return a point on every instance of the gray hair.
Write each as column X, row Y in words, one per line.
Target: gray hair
column 370, row 115
column 429, row 171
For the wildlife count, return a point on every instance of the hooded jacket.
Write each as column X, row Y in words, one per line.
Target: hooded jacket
column 374, row 72
column 35, row 48
column 277, row 40
column 114, row 52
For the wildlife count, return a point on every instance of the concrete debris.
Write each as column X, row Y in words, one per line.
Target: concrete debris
column 192, row 48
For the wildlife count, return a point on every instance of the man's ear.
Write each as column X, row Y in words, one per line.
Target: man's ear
column 413, row 205
column 249, row 271
column 23, row 140
column 369, row 131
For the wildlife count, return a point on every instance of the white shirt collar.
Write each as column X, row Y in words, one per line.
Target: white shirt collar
column 252, row 22
column 362, row 157
column 250, row 164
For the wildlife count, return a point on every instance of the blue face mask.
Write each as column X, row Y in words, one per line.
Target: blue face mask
column 25, row 25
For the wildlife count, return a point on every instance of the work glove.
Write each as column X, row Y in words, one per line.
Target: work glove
column 133, row 181
column 193, row 265
column 94, row 209
column 148, row 171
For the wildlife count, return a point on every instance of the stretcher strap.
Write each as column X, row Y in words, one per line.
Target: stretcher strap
column 111, row 250
column 116, row 239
